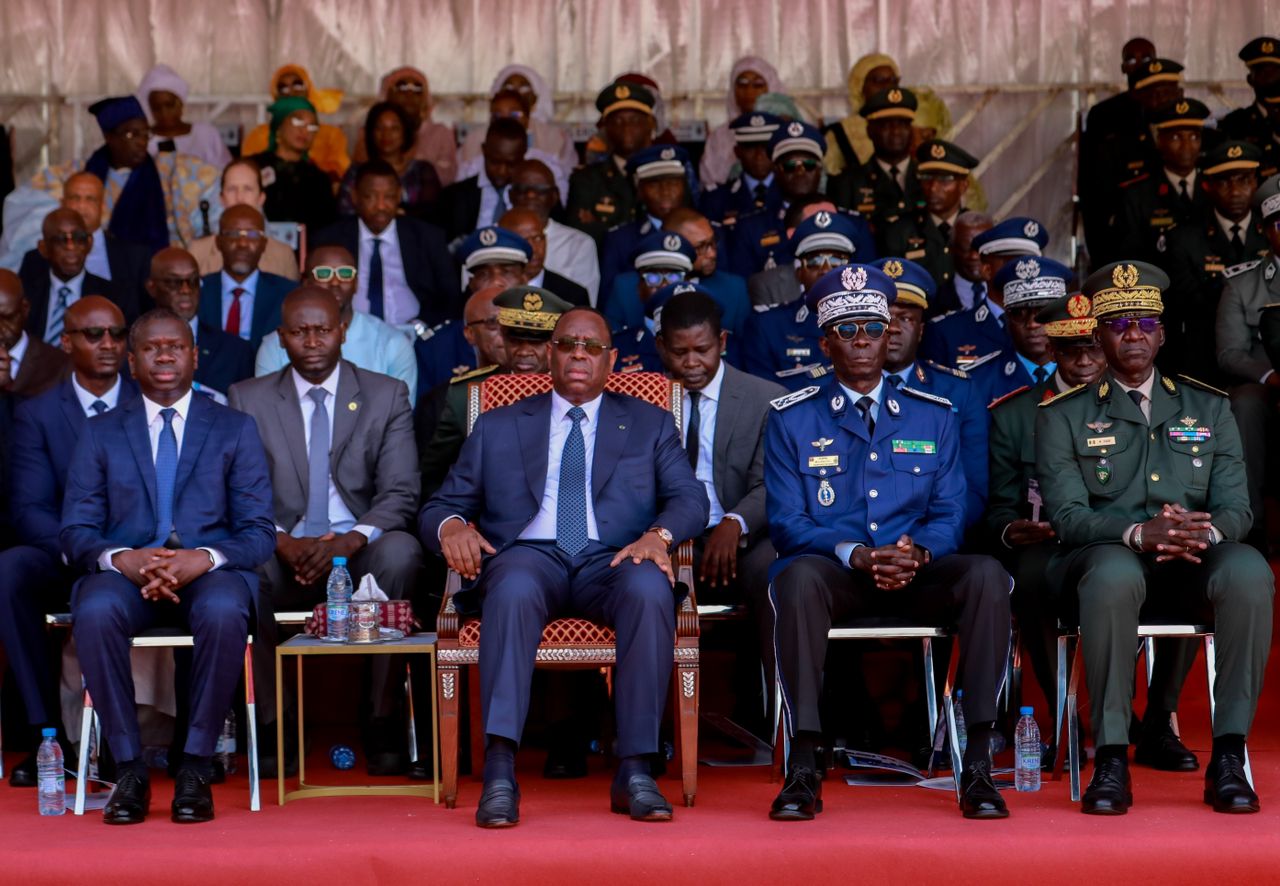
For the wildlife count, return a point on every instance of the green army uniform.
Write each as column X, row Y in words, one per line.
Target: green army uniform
column 602, row 195
column 1251, row 122
column 451, row 430
column 869, row 189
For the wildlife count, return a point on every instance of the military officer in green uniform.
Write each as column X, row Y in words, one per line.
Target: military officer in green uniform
column 886, row 187
column 526, row 317
column 602, row 195
column 1197, row 257
column 924, row 235
column 1143, row 481
column 1261, row 56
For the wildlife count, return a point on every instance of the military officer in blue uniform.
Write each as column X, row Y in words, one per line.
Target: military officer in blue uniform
column 759, row 241
column 637, row 345
column 781, row 342
column 756, row 187
column 659, row 259
column 866, row 510
column 902, row 368
column 963, row 339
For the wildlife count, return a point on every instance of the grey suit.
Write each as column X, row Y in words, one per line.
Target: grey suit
column 773, row 286
column 373, row 464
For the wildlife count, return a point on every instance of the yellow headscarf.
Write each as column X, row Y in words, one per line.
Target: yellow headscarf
column 855, row 128
column 329, row 150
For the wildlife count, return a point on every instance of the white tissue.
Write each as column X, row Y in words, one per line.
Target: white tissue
column 369, row 590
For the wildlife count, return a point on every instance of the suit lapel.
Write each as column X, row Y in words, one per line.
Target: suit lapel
column 261, row 308
column 1122, row 407
column 533, row 428
column 289, row 416
column 726, row 410
column 211, row 301
column 1164, row 406
column 71, row 410
column 199, row 422
column 346, row 409
column 135, row 429
column 850, row 417
column 887, row 421
column 611, row 439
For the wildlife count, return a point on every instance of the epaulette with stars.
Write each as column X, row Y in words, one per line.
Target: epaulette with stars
column 1007, row 397
column 468, row 376
column 921, row 395
column 1069, row 392
column 1235, row 270
column 1196, row 383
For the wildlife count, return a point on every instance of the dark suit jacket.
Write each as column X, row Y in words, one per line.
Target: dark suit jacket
column 565, row 288
column 458, row 209
column 429, row 270
column 373, row 458
column 36, row 286
column 267, row 298
column 130, row 266
column 737, row 468
column 640, row 475
column 224, row 358
column 222, row 496
column 42, row 367
column 44, row 438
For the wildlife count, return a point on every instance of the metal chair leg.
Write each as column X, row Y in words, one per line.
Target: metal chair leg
column 413, row 723
column 251, row 721
column 948, row 704
column 82, row 767
column 1059, row 757
column 930, row 689
column 1073, row 726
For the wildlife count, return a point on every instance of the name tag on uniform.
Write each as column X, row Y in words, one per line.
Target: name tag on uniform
column 916, row 447
column 1160, row 222
column 798, row 352
column 1190, row 435
column 1100, row 441
column 770, row 239
column 1214, row 267
column 914, row 254
column 824, row 461
column 606, row 208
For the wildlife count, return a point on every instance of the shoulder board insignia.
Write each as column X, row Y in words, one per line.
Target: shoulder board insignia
column 806, row 369
column 468, row 376
column 1069, row 392
column 737, row 186
column 1133, row 181
column 1196, row 383
column 974, row 364
column 1009, row 396
column 1168, row 384
column 1241, row 268
column 921, row 395
column 958, row 373
column 760, row 309
column 943, row 316
column 782, row 403
column 425, row 332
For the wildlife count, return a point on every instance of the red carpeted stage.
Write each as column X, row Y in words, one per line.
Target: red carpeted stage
column 568, row 835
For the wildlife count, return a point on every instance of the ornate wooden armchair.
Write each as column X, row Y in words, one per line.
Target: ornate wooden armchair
column 566, row 642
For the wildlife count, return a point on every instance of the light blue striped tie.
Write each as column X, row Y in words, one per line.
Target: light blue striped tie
column 166, row 477
column 56, row 322
column 571, row 503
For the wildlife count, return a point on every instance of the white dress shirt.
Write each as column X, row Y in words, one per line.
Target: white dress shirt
column 901, row 166
column 399, row 304
column 96, row 261
column 708, row 409
column 88, row 398
column 845, row 549
column 543, row 525
column 1226, row 224
column 572, row 254
column 250, row 287
column 1174, row 179
column 341, row 520
column 16, row 353
column 492, row 199
column 75, row 284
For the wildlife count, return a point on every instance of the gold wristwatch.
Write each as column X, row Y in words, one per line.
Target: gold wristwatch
column 667, row 538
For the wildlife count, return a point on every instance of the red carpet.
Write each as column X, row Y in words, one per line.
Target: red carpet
column 568, row 835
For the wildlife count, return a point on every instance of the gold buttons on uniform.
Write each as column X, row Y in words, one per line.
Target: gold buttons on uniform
column 1155, row 478
column 1195, row 449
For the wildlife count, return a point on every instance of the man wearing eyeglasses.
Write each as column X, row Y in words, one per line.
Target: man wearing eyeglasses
column 570, row 252
column 728, row 290
column 242, row 299
column 661, row 259
column 865, row 497
column 756, row 186
column 370, row 343
column 1143, row 481
column 33, row 578
column 63, row 280
column 583, row 524
column 528, row 226
column 887, row 186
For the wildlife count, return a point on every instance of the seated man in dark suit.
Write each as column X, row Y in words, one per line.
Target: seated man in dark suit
column 582, row 524
column 241, row 299
column 480, row 200
column 529, row 225
column 223, row 358
column 168, row 507
column 64, row 244
column 349, row 432
column 404, row 268
column 31, row 366
column 33, row 579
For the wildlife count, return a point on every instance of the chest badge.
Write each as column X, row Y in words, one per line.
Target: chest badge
column 1098, row 426
column 826, row 494
column 1102, row 470
column 822, row 443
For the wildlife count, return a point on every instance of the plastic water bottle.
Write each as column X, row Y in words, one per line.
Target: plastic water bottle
column 961, row 732
column 338, row 601
column 1026, row 752
column 52, row 775
column 225, row 750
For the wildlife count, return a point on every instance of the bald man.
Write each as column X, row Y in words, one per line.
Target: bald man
column 33, row 578
column 62, row 279
column 223, row 359
column 570, row 253
column 242, row 299
column 531, row 226
column 28, row 366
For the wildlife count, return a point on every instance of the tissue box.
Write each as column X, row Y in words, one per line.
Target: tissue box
column 396, row 614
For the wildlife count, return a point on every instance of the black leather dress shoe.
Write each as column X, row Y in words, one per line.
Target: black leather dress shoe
column 1161, row 749
column 25, row 774
column 640, row 798
column 192, row 797
column 129, row 801
column 499, row 804
column 800, row 798
column 1110, row 792
column 1225, row 787
column 979, row 796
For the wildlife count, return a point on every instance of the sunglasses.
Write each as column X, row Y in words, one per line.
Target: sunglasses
column 325, row 273
column 1147, row 325
column 570, row 346
column 825, row 260
column 808, row 164
column 874, row 329
column 94, row 334
column 68, row 238
column 251, row 235
column 303, row 124
column 745, row 82
column 662, row 278
column 534, row 190
column 173, row 284
column 408, row 86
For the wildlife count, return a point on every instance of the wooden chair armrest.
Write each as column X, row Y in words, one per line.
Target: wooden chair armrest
column 448, row 621
column 687, row 615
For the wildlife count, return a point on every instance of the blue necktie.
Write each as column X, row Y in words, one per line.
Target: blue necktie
column 571, row 502
column 98, row 407
column 979, row 296
column 375, row 279
column 317, row 519
column 54, row 332
column 1040, row 374
column 864, row 405
column 166, row 476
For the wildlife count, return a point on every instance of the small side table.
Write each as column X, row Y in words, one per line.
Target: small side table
column 304, row 645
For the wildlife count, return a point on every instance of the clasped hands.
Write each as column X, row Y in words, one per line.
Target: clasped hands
column 311, row 557
column 891, row 566
column 161, row 572
column 1177, row 534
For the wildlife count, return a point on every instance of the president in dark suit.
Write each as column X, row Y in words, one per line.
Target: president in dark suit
column 222, row 358
column 345, row 482
column 33, row 580
column 29, row 365
column 168, row 508
column 241, row 299
column 64, row 245
column 404, row 268
column 582, row 523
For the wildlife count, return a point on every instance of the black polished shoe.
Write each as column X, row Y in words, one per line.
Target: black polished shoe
column 801, row 796
column 499, row 804
column 1110, row 792
column 1225, row 787
column 385, row 749
column 566, row 761
column 640, row 798
column 192, row 798
column 25, row 774
column 130, row 801
column 979, row 796
column 1161, row 749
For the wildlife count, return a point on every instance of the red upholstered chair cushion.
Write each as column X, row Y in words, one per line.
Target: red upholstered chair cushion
column 652, row 387
column 561, row 632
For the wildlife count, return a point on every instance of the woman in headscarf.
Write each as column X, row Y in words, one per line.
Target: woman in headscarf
column 329, row 149
column 436, row 143
column 545, row 136
column 162, row 92
column 751, row 77
column 389, row 133
column 297, row 190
